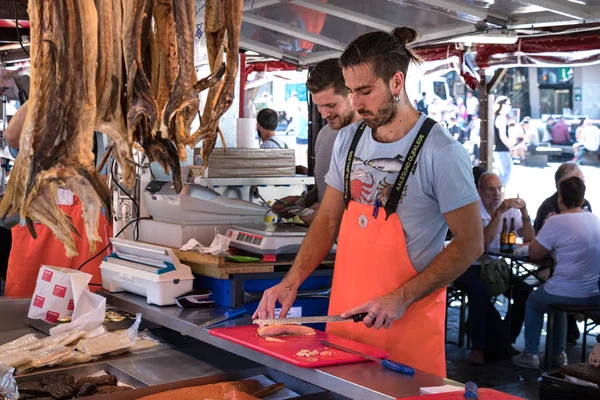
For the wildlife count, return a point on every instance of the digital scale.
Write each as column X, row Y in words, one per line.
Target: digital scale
column 268, row 239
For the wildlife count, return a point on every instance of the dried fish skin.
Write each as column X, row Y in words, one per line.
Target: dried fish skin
column 110, row 87
column 58, row 132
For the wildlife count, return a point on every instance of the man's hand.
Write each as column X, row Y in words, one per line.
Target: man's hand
column 518, row 204
column 280, row 204
column 550, row 215
column 308, row 219
column 284, row 293
column 382, row 311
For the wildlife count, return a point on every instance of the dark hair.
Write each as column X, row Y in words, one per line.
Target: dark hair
column 477, row 172
column 572, row 192
column 500, row 101
column 267, row 118
column 564, row 170
column 326, row 74
column 424, row 94
column 388, row 53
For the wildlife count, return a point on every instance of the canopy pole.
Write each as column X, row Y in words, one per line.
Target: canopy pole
column 486, row 130
column 486, row 113
column 242, row 72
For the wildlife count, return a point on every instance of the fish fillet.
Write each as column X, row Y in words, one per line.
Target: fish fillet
column 215, row 391
column 57, row 136
column 110, row 87
column 285, row 330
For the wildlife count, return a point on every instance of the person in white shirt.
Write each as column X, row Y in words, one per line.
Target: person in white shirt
column 266, row 123
column 472, row 106
column 494, row 209
column 573, row 236
column 588, row 140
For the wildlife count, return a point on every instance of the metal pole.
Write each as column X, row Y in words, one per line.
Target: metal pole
column 483, row 129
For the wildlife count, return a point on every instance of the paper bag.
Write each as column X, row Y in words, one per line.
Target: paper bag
column 56, row 293
column 88, row 315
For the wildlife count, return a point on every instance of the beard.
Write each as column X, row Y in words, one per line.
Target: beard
column 340, row 121
column 384, row 115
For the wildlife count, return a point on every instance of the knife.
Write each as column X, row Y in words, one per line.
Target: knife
column 309, row 320
column 393, row 365
column 228, row 315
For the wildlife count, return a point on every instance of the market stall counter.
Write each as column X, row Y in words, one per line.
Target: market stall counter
column 365, row 380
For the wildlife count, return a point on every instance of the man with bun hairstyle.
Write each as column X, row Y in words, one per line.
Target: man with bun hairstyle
column 396, row 183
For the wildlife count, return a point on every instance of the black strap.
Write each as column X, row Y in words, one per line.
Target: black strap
column 278, row 143
column 350, row 160
column 397, row 192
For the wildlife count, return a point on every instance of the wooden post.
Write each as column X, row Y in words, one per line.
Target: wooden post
column 486, row 114
column 486, row 140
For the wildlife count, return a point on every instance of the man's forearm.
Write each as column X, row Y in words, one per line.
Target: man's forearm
column 315, row 247
column 452, row 262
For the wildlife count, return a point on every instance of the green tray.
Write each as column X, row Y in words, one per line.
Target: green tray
column 242, row 259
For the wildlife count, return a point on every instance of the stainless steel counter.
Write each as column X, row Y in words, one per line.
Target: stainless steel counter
column 357, row 381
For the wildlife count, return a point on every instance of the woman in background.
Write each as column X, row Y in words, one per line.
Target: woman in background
column 574, row 238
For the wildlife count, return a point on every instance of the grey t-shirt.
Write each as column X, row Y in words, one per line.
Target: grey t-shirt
column 323, row 149
column 574, row 239
column 442, row 181
column 273, row 143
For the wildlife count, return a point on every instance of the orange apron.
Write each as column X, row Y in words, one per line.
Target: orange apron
column 372, row 260
column 28, row 254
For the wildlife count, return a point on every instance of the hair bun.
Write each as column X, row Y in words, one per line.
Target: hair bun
column 405, row 34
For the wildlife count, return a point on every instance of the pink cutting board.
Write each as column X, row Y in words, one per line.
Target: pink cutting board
column 247, row 337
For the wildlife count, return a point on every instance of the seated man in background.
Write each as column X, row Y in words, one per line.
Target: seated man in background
column 494, row 208
column 561, row 133
column 550, row 205
column 330, row 94
column 266, row 123
column 573, row 237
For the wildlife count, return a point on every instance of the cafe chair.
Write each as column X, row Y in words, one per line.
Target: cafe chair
column 591, row 318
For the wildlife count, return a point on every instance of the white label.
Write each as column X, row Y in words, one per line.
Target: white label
column 64, row 197
column 174, row 201
column 295, row 312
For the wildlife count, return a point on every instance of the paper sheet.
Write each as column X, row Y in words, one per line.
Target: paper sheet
column 87, row 316
column 219, row 246
column 282, row 395
column 441, row 389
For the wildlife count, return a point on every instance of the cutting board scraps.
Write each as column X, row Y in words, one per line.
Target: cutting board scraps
column 247, row 337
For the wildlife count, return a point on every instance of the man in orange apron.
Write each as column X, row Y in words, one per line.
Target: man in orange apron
column 27, row 254
column 397, row 181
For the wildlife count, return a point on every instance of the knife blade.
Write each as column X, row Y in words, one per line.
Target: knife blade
column 228, row 315
column 393, row 365
column 309, row 320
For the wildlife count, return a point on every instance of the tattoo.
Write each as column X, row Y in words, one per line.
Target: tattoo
column 289, row 287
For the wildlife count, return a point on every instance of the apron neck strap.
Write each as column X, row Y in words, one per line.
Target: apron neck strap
column 398, row 189
column 350, row 160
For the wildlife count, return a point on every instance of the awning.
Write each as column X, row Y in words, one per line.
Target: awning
column 303, row 32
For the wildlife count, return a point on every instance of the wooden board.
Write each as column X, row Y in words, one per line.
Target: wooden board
column 239, row 163
column 218, row 267
column 197, row 258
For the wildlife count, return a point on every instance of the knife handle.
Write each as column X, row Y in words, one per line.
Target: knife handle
column 235, row 313
column 395, row 366
column 359, row 317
